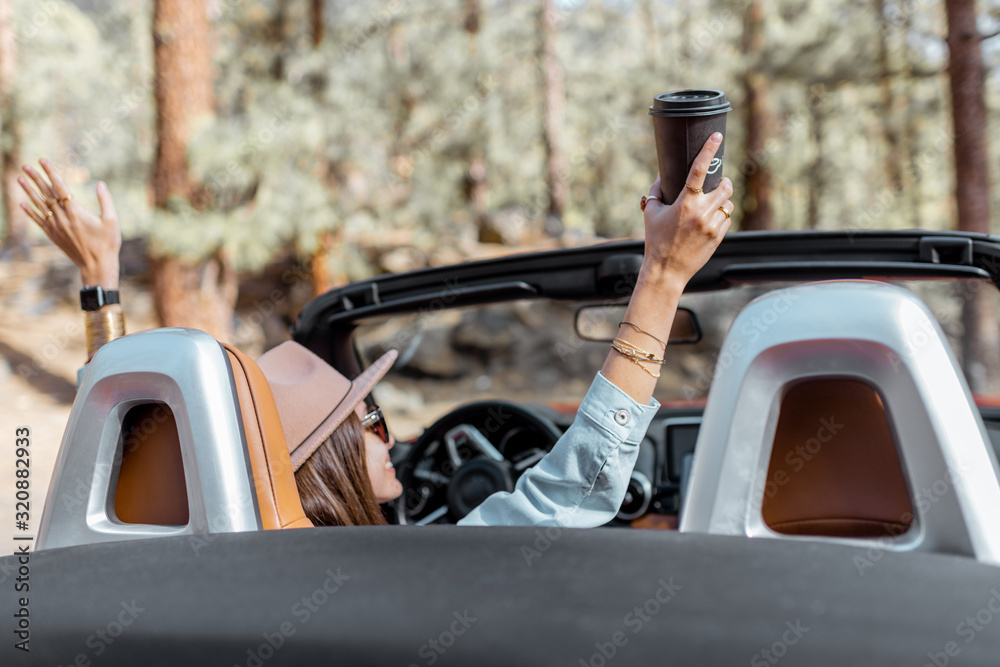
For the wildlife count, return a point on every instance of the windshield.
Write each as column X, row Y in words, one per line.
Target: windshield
column 528, row 351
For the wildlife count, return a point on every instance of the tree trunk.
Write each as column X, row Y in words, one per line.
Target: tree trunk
column 649, row 35
column 553, row 99
column 323, row 279
column 817, row 121
column 981, row 338
column 199, row 295
column 476, row 186
column 400, row 151
column 477, row 190
column 890, row 113
column 757, row 189
column 470, row 22
column 318, row 24
column 15, row 240
column 911, row 133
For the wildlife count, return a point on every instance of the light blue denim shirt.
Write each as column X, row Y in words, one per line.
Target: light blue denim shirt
column 581, row 483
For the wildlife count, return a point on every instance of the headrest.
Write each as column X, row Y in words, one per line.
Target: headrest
column 874, row 352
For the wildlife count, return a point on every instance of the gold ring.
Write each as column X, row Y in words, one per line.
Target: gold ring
column 693, row 189
column 643, row 200
column 49, row 214
column 62, row 200
column 721, row 208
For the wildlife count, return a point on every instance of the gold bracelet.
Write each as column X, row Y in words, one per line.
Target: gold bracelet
column 624, row 346
column 620, row 324
column 103, row 326
column 637, row 363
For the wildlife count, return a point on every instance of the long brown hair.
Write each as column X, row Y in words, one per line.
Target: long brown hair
column 333, row 483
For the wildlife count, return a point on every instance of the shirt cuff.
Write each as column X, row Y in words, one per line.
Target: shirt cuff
column 612, row 410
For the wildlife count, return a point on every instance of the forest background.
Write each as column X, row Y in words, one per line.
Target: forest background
column 293, row 145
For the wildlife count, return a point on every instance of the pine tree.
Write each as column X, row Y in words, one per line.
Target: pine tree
column 757, row 193
column 15, row 239
column 194, row 293
column 553, row 98
column 981, row 337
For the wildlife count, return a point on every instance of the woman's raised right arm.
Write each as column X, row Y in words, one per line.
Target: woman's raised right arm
column 91, row 241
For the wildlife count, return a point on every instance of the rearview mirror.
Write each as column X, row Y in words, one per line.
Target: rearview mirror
column 600, row 324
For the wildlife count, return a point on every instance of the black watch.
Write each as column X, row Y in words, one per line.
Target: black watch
column 95, row 298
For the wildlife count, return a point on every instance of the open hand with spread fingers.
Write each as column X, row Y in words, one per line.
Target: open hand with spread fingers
column 91, row 241
column 680, row 237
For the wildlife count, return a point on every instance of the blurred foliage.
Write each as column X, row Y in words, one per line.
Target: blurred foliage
column 369, row 135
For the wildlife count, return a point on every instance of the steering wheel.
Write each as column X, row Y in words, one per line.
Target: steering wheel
column 466, row 456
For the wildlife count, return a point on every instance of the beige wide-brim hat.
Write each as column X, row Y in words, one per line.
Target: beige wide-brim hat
column 313, row 398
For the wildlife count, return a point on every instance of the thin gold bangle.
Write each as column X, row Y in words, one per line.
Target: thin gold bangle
column 640, row 353
column 638, row 363
column 620, row 324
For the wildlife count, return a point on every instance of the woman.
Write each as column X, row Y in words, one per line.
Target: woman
column 341, row 457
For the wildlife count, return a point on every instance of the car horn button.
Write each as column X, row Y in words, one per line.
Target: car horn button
column 474, row 482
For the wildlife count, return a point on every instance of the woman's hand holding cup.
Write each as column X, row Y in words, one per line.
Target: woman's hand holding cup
column 680, row 237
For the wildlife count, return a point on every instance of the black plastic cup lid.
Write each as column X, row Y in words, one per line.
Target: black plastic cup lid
column 690, row 103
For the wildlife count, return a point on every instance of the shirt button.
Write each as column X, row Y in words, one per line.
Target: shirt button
column 622, row 417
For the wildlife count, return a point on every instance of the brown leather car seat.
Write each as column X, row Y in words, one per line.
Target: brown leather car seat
column 834, row 468
column 151, row 486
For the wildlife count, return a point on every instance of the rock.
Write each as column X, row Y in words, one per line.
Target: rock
column 487, row 331
column 510, row 226
column 434, row 356
column 401, row 260
column 395, row 399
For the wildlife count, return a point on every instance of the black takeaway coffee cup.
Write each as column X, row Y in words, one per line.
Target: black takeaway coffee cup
column 683, row 120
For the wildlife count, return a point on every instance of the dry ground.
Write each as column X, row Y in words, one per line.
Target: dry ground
column 41, row 347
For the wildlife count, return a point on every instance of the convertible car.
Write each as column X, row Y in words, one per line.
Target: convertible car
column 819, row 487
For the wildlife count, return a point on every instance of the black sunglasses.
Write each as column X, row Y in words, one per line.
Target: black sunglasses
column 374, row 421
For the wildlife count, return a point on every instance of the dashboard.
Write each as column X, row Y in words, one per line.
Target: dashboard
column 663, row 467
column 480, row 448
